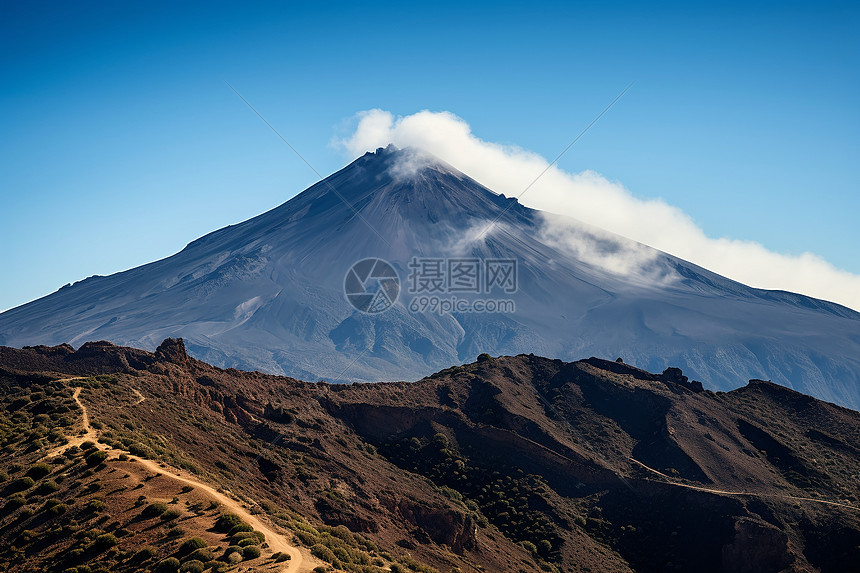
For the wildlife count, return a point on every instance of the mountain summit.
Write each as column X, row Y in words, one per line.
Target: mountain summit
column 269, row 293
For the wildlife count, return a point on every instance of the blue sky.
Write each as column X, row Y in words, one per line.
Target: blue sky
column 121, row 143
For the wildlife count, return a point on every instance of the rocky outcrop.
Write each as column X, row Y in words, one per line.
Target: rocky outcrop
column 757, row 547
column 440, row 524
column 172, row 350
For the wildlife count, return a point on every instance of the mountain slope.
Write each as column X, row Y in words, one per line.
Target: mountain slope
column 268, row 294
column 506, row 464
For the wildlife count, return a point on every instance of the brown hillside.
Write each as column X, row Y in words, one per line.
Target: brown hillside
column 506, row 464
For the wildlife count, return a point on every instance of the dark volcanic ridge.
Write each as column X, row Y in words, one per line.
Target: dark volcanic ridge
column 511, row 463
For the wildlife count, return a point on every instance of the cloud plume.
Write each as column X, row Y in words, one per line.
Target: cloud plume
column 595, row 200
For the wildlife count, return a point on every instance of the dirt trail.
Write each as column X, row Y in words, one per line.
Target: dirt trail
column 276, row 541
column 668, row 480
column 140, row 397
column 89, row 433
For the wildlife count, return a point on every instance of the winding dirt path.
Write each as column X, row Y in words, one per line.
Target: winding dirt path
column 88, row 434
column 668, row 480
column 276, row 541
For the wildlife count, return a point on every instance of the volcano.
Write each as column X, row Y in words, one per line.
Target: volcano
column 399, row 265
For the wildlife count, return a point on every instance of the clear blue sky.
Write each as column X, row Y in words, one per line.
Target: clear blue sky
column 120, row 142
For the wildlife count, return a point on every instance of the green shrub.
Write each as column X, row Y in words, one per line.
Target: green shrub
column 153, row 510
column 88, row 445
column 322, row 552
column 39, row 471
column 236, row 537
column 226, row 522
column 233, row 557
column 54, row 507
column 170, row 514
column 484, row 357
column 193, row 566
column 96, row 458
column 241, row 528
column 189, row 545
column 139, row 450
column 250, row 552
column 15, row 502
column 46, row 487
column 104, row 542
column 175, row 532
column 145, row 553
column 95, row 505
column 216, row 566
column 544, row 547
column 203, row 554
column 22, row 483
column 248, row 541
column 169, row 565
column 281, row 557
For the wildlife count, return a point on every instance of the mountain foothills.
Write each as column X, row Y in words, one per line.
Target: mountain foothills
column 268, row 294
column 119, row 459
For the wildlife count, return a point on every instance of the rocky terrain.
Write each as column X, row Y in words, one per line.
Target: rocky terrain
column 512, row 463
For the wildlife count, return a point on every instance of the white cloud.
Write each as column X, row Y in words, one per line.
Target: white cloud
column 595, row 200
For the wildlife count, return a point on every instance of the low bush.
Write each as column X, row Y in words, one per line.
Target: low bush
column 96, row 458
column 250, row 552
column 95, row 505
column 54, row 507
column 203, row 554
column 46, row 487
column 22, row 483
column 241, row 528
column 153, row 510
column 15, row 502
column 169, row 565
column 39, row 471
column 104, row 542
column 193, row 566
column 145, row 553
column 191, row 544
column 226, row 522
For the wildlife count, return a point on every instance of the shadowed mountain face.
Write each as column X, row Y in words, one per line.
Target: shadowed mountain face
column 509, row 464
column 268, row 294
